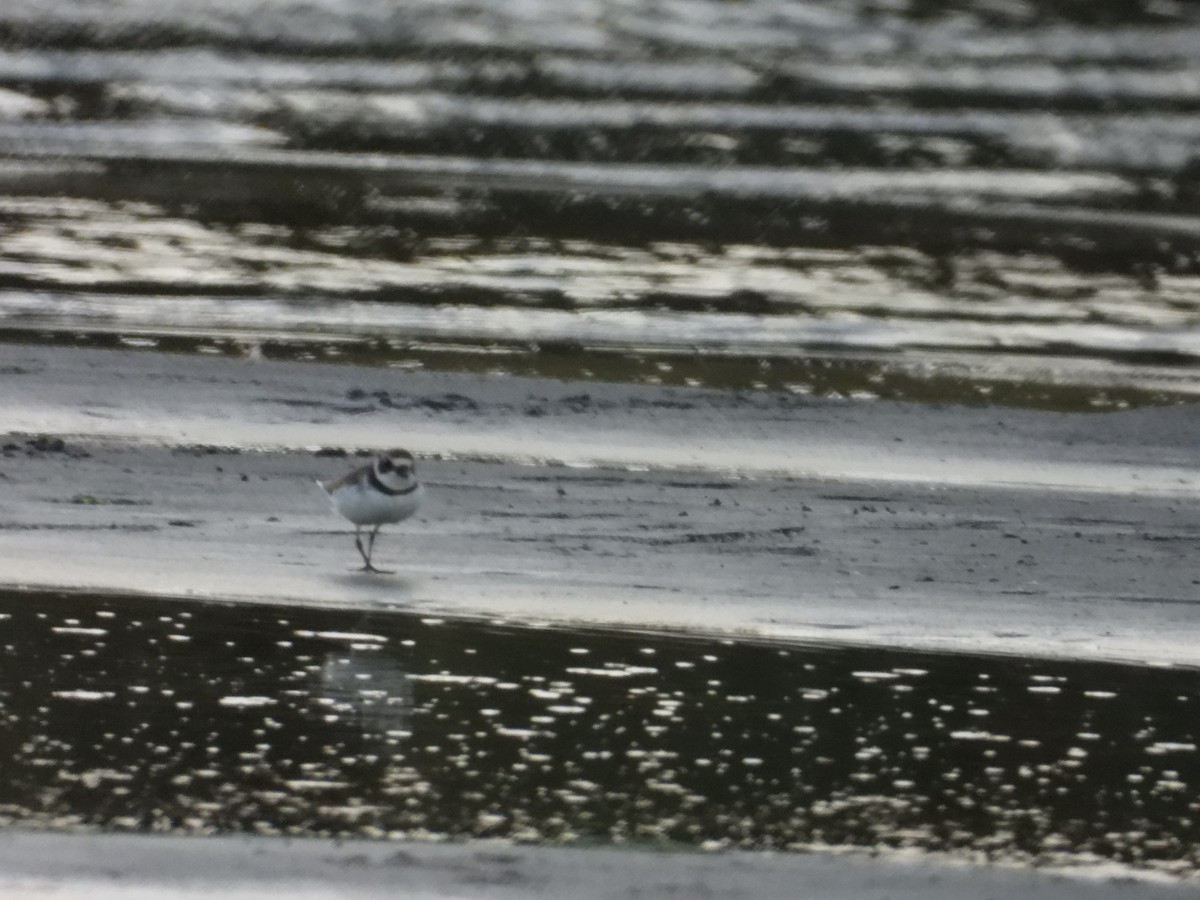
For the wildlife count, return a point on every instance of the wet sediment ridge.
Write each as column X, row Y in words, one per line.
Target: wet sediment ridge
column 1030, row 381
column 695, row 182
column 210, row 718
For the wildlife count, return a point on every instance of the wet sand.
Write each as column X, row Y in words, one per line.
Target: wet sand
column 190, row 867
column 990, row 202
column 949, row 528
column 784, row 518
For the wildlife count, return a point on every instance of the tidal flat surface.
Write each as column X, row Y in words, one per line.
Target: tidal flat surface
column 129, row 714
column 814, row 210
column 968, row 202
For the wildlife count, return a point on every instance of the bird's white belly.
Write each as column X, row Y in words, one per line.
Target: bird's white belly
column 363, row 506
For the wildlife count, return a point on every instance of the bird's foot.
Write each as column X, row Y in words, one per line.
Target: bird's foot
column 370, row 568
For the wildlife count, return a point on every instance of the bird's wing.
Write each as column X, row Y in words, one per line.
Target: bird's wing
column 349, row 478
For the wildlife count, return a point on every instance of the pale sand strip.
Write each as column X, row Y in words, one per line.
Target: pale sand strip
column 98, row 867
column 986, row 530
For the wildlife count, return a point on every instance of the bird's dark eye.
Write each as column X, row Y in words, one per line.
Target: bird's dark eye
column 402, row 471
column 385, row 465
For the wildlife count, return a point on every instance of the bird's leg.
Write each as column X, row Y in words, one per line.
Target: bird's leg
column 371, row 543
column 371, row 549
column 361, row 552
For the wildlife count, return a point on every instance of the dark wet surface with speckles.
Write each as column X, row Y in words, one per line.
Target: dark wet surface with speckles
column 129, row 714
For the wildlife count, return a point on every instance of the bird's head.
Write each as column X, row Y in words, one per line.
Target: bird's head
column 396, row 470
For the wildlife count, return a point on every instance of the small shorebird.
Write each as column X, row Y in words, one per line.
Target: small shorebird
column 385, row 491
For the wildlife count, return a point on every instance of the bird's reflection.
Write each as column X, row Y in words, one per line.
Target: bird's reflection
column 366, row 688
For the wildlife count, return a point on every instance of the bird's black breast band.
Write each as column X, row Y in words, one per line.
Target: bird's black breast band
column 373, row 480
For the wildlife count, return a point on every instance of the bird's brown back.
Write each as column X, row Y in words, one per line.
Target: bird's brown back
column 350, row 478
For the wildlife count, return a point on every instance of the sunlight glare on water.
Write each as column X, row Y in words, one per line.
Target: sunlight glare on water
column 963, row 203
column 307, row 722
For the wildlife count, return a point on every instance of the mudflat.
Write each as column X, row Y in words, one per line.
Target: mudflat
column 158, row 866
column 782, row 517
column 772, row 517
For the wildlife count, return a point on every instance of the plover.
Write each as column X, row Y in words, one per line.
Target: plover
column 385, row 491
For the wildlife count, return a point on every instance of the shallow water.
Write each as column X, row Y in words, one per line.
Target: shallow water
column 139, row 715
column 694, row 188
